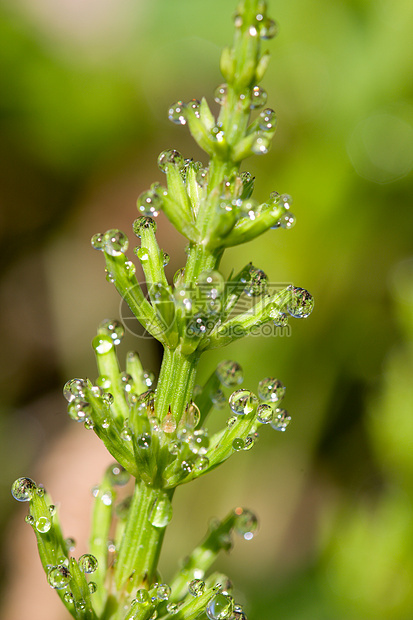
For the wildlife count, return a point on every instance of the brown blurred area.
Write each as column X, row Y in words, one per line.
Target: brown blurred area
column 84, row 89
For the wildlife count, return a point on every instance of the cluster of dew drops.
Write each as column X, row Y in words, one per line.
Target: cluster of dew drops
column 58, row 575
column 220, row 606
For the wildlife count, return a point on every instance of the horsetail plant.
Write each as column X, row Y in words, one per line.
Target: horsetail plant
column 159, row 436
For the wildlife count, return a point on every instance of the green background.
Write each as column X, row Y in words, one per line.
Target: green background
column 84, row 91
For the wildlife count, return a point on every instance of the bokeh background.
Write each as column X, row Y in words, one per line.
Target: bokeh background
column 84, row 90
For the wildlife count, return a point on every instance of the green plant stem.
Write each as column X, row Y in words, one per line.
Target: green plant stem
column 176, row 382
column 139, row 552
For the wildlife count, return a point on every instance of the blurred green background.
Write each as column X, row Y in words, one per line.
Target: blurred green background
column 84, row 90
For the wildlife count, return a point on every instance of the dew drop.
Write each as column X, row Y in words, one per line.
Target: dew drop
column 148, row 378
column 52, row 510
column 112, row 328
column 258, row 97
column 257, row 284
column 202, row 177
column 70, row 544
column 117, row 475
column 287, row 221
column 201, row 463
column 264, row 413
column 246, row 523
column 115, row 242
column 163, row 592
column 280, row 420
column 80, row 605
column 125, row 433
column 149, row 203
column 242, row 402
column 221, row 93
column 29, row 519
column 230, row 373
column 187, row 467
column 103, row 382
column 196, row 587
column 197, row 325
column 143, row 223
column 211, row 284
column 126, row 381
column 23, row 489
column 97, row 241
column 249, row 442
column 218, row 399
column 280, row 318
column 178, row 277
column 160, row 513
column 267, row 119
column 176, row 113
column 102, row 344
column 43, row 525
column 199, row 442
column 88, row 563
column 142, row 254
column 301, row 303
column 92, row 587
column 231, row 421
column 174, row 447
column 165, row 258
column 195, row 105
column 73, row 388
column 168, row 424
column 107, row 398
column 170, row 157
column 261, row 145
column 143, row 441
column 220, row 607
column 143, row 597
column 192, row 416
column 270, row 389
column 172, row 608
column 268, row 29
column 238, row 444
column 130, row 268
column 69, row 598
column 58, row 577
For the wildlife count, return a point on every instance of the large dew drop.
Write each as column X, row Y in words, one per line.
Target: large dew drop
column 58, row 577
column 118, row 476
column 220, row 607
column 242, row 402
column 280, row 420
column 23, row 489
column 149, row 203
column 268, row 29
column 112, row 328
column 267, row 120
column 176, row 113
column 264, row 413
column 230, row 373
column 301, row 303
column 102, row 344
column 115, row 242
column 257, row 284
column 88, row 563
column 160, row 513
column 170, row 157
column 246, row 523
column 258, row 97
column 270, row 389
column 196, row 587
column 43, row 525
